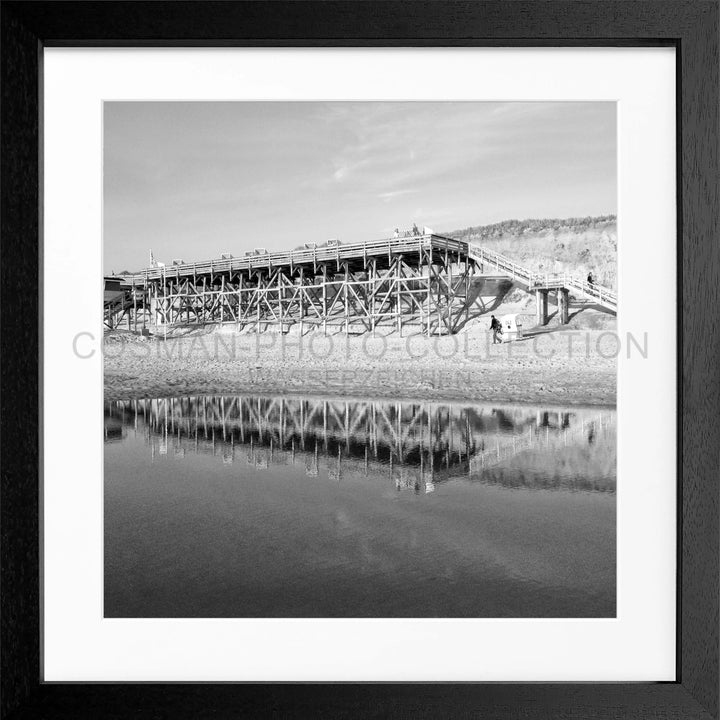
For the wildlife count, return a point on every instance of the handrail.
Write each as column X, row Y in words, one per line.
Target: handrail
column 500, row 261
column 305, row 255
column 600, row 293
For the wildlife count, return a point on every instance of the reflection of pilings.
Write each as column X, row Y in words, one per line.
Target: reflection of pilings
column 439, row 441
column 508, row 447
column 400, row 428
column 339, row 467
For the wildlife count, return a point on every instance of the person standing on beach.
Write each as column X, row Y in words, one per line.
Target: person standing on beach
column 496, row 328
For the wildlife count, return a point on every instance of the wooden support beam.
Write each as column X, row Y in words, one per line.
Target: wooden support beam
column 398, row 308
column 239, row 303
column 222, row 299
column 373, row 293
column 324, row 299
column 541, row 306
column 280, row 299
column 134, row 297
column 259, row 283
column 428, row 291
column 563, row 296
column 302, row 300
column 346, row 287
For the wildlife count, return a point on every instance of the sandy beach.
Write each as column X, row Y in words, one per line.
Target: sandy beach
column 553, row 368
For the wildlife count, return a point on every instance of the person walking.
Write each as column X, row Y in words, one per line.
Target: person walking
column 590, row 279
column 496, row 328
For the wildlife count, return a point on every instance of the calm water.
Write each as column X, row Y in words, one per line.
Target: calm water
column 305, row 507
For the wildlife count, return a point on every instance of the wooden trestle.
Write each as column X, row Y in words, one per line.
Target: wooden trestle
column 428, row 283
column 422, row 281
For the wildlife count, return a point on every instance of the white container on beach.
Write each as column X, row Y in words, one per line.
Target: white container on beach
column 511, row 327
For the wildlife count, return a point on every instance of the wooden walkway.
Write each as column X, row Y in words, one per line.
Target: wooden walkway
column 530, row 282
column 430, row 281
column 340, row 253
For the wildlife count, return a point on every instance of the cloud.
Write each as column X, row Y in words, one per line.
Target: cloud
column 345, row 167
column 391, row 195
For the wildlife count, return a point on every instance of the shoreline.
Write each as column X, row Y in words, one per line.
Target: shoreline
column 510, row 374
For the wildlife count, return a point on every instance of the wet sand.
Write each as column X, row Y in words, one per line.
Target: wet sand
column 559, row 367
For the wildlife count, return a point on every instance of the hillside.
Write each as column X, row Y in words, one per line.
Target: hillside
column 573, row 245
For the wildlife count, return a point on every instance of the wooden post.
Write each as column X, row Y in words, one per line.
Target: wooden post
column 302, row 299
column 347, row 426
column 347, row 301
column 467, row 288
column 439, row 312
column 429, row 289
column 280, row 300
column 324, row 299
column 158, row 310
column 146, row 301
column 134, row 294
column 398, row 308
column 198, row 319
column 325, row 424
column 373, row 289
column 541, row 306
column 450, row 296
column 563, row 305
column 222, row 299
column 257, row 309
column 239, row 305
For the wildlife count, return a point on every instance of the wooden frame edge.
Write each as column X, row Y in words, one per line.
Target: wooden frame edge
column 27, row 26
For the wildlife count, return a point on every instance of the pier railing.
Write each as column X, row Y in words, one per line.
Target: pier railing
column 502, row 263
column 391, row 246
column 600, row 294
column 339, row 252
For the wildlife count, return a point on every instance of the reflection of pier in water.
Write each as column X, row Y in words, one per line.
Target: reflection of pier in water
column 417, row 444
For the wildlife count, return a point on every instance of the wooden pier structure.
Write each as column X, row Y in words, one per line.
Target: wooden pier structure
column 427, row 284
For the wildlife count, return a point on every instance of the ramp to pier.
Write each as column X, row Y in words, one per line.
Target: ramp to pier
column 529, row 281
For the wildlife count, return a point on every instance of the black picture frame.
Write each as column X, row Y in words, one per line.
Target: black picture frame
column 690, row 26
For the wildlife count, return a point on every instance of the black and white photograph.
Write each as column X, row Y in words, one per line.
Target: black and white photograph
column 359, row 427
column 360, row 359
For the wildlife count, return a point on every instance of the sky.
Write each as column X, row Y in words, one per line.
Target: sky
column 193, row 180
